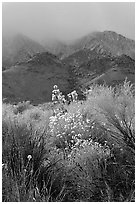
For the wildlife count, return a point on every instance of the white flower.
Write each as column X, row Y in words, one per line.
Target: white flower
column 55, row 87
column 29, row 157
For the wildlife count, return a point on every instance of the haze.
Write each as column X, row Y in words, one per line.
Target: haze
column 67, row 21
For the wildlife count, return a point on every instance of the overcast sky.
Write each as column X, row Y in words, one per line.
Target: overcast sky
column 67, row 21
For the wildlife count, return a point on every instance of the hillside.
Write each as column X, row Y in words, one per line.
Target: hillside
column 106, row 41
column 104, row 69
column 102, row 57
column 33, row 80
column 123, row 67
column 18, row 48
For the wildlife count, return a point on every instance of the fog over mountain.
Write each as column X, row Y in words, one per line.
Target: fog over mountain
column 67, row 21
column 72, row 45
column 103, row 57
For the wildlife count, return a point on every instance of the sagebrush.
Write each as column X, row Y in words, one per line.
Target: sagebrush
column 72, row 151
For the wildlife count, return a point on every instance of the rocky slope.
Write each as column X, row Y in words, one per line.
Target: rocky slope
column 106, row 41
column 102, row 57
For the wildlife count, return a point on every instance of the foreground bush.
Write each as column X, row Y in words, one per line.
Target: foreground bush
column 84, row 151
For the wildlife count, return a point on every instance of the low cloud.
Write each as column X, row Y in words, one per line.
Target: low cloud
column 67, row 21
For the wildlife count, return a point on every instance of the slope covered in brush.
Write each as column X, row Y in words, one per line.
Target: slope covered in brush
column 86, row 153
column 33, row 80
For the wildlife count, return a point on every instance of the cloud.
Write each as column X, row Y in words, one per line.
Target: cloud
column 67, row 21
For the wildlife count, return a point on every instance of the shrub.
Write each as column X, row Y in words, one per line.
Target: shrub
column 84, row 151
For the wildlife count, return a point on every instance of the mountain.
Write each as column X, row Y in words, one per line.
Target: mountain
column 123, row 67
column 18, row 48
column 33, row 79
column 106, row 41
column 101, row 57
column 104, row 69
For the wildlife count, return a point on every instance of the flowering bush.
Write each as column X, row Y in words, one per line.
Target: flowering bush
column 73, row 151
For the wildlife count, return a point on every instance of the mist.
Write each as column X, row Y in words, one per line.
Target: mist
column 67, row 21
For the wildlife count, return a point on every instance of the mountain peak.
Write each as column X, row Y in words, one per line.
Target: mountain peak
column 106, row 41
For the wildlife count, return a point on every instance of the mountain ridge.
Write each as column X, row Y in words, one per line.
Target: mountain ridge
column 92, row 60
column 107, row 40
column 18, row 48
column 34, row 79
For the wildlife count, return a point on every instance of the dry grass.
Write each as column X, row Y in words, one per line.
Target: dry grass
column 84, row 154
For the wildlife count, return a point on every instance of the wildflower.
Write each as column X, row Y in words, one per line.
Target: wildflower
column 74, row 96
column 29, row 157
column 55, row 87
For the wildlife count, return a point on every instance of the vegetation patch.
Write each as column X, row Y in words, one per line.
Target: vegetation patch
column 71, row 150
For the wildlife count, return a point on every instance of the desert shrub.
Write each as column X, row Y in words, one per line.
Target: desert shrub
column 21, row 139
column 22, row 106
column 84, row 151
column 85, row 161
column 115, row 115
